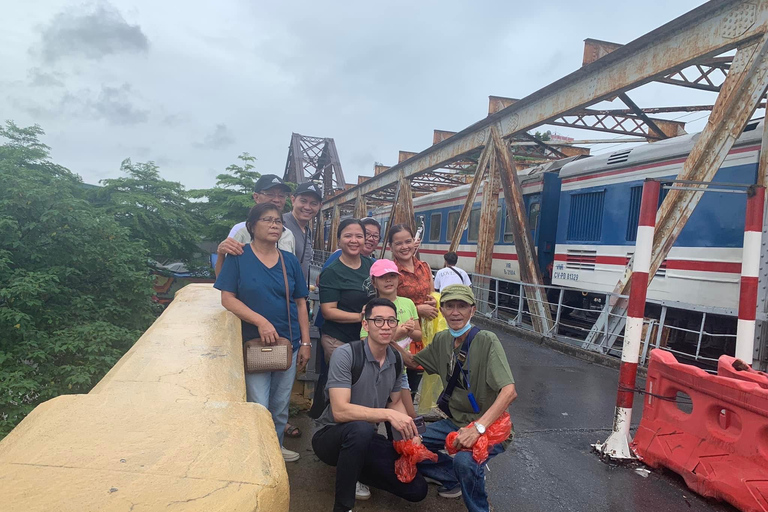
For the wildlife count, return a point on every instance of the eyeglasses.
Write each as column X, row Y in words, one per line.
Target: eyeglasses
column 274, row 195
column 371, row 236
column 379, row 322
column 272, row 220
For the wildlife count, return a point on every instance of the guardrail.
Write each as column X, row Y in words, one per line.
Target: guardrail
column 491, row 297
column 511, row 307
column 167, row 428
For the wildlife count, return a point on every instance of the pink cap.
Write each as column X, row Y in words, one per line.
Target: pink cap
column 383, row 267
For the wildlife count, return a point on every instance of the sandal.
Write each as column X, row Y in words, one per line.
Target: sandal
column 292, row 431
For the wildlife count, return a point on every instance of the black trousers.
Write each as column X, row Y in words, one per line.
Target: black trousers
column 360, row 454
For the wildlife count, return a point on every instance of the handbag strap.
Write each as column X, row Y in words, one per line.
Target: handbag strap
column 287, row 293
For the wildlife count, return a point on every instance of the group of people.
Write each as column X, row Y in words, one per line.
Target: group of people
column 370, row 318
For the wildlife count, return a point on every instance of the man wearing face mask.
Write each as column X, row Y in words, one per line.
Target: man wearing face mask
column 481, row 392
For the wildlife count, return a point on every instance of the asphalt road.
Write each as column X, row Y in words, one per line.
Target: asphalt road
column 564, row 405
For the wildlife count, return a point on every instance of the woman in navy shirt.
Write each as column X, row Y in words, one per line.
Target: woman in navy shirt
column 252, row 287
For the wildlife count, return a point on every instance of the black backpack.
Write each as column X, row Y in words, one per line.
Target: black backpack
column 358, row 362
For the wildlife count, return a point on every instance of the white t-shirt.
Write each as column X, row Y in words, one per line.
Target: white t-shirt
column 446, row 276
column 287, row 241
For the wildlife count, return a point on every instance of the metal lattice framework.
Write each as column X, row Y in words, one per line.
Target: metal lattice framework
column 720, row 47
column 314, row 159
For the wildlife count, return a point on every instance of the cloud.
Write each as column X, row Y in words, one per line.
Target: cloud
column 116, row 106
column 220, row 138
column 39, row 78
column 95, row 32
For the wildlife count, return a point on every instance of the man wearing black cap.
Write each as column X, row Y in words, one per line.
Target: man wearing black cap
column 269, row 189
column 306, row 204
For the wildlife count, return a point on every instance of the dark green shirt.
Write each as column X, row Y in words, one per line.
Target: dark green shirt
column 345, row 286
column 488, row 372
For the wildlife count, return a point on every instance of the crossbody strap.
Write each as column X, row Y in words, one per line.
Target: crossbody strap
column 457, row 273
column 287, row 293
column 458, row 368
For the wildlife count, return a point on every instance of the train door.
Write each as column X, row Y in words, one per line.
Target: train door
column 546, row 224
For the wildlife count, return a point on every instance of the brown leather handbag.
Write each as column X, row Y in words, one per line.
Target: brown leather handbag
column 259, row 357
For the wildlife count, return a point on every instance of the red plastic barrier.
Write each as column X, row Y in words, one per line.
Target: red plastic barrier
column 720, row 448
column 726, row 368
column 496, row 433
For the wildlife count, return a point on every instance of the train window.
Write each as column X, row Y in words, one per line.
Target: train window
column 585, row 219
column 635, row 194
column 435, row 225
column 453, row 221
column 508, row 237
column 474, row 225
column 533, row 216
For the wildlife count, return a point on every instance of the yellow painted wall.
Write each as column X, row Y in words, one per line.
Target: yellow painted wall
column 167, row 428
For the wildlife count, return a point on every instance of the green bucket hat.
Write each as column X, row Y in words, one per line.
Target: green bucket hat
column 457, row 292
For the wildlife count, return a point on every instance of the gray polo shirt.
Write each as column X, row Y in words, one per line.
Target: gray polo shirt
column 373, row 387
column 304, row 251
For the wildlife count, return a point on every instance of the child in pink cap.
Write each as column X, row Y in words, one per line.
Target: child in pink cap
column 385, row 278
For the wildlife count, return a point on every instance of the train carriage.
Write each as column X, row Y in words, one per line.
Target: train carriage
column 583, row 216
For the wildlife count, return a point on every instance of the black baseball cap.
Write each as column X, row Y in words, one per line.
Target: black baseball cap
column 309, row 187
column 268, row 181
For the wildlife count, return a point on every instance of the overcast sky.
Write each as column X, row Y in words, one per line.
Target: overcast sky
column 193, row 84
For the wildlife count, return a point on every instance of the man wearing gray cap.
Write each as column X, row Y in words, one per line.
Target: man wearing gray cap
column 479, row 388
column 269, row 188
column 306, row 202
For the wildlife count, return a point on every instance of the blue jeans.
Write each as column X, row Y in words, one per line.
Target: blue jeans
column 459, row 470
column 273, row 391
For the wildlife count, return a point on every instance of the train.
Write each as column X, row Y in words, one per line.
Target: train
column 583, row 212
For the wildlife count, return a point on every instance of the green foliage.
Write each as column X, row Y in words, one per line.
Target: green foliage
column 154, row 210
column 228, row 202
column 74, row 288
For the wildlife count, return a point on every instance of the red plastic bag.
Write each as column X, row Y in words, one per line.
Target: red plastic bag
column 495, row 433
column 411, row 452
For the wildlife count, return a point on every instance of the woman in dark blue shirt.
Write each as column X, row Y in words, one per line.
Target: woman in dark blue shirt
column 252, row 287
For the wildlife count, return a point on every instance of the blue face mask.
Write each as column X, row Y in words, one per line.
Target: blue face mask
column 461, row 331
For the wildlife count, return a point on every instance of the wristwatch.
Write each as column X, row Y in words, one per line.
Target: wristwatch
column 480, row 428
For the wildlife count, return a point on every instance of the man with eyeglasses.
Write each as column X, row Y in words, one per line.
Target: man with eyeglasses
column 482, row 389
column 269, row 188
column 346, row 431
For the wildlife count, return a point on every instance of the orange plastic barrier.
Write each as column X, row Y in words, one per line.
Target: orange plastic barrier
column 727, row 368
column 720, row 448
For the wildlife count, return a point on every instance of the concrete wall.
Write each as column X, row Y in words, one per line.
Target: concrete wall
column 167, row 428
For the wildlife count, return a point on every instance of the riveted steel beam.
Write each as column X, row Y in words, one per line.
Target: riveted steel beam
column 741, row 93
column 486, row 235
column 705, row 32
column 461, row 225
column 530, row 273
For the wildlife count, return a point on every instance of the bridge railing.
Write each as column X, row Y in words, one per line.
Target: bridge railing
column 506, row 301
column 168, row 428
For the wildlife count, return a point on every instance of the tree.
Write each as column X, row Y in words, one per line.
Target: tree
column 228, row 202
column 153, row 209
column 74, row 289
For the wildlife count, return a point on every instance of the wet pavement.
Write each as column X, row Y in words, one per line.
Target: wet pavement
column 564, row 405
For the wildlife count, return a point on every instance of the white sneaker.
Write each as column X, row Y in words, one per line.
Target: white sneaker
column 362, row 491
column 290, row 455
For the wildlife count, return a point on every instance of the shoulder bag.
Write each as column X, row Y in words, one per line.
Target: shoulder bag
column 259, row 357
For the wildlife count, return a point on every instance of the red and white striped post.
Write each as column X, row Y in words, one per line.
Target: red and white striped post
column 750, row 268
column 617, row 444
